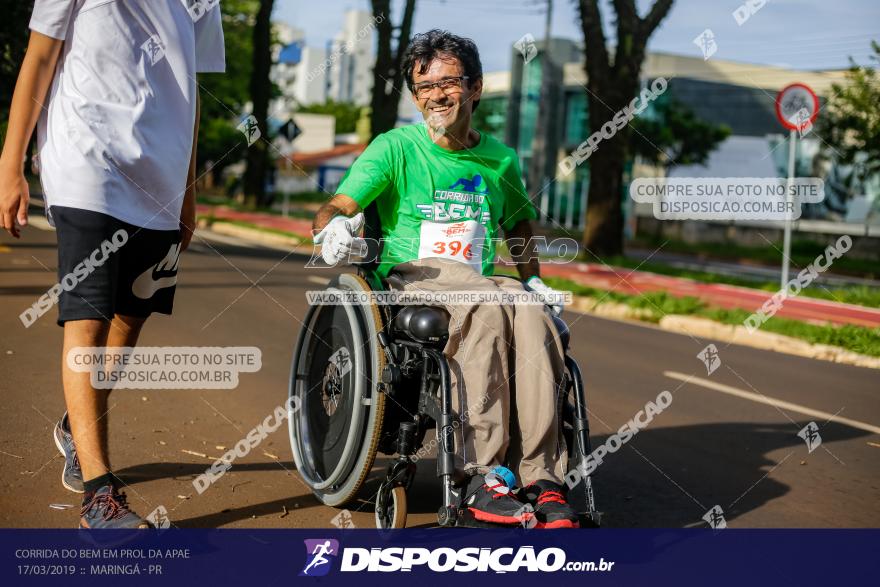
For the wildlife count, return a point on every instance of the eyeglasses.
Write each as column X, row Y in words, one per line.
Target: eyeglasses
column 449, row 85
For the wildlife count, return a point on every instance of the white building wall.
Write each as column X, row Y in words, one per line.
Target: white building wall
column 284, row 74
column 351, row 59
column 318, row 133
column 310, row 84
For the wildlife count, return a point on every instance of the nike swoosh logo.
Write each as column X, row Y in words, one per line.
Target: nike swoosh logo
column 146, row 284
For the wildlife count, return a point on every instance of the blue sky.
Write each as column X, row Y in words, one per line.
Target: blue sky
column 801, row 34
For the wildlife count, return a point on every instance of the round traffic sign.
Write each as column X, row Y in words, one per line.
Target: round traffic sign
column 797, row 106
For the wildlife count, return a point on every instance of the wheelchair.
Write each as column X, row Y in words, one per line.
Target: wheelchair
column 371, row 378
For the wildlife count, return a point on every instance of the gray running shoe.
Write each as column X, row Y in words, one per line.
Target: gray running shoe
column 71, row 476
column 107, row 508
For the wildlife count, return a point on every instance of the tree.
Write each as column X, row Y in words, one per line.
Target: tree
column 345, row 113
column 224, row 95
column 675, row 136
column 261, row 93
column 610, row 87
column 850, row 123
column 388, row 71
column 13, row 43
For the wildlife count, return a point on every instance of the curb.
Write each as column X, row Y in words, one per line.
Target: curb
column 611, row 310
column 253, row 234
column 734, row 334
column 770, row 341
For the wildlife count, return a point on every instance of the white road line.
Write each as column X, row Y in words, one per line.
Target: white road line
column 763, row 399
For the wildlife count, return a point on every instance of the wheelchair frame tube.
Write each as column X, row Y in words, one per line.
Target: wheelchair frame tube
column 581, row 428
column 445, row 427
column 581, row 423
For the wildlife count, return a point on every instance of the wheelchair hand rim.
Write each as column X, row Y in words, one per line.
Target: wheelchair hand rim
column 297, row 424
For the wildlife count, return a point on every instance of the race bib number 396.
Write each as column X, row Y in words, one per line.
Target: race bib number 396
column 459, row 241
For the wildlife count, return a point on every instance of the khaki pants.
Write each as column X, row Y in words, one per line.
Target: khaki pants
column 506, row 364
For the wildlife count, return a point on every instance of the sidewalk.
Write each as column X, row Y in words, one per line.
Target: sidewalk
column 630, row 282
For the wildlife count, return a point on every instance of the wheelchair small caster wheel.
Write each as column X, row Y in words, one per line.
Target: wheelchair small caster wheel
column 391, row 507
column 447, row 516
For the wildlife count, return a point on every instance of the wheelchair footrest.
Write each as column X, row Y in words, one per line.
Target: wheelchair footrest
column 590, row 520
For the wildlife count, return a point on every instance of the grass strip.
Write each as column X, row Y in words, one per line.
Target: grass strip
column 858, row 339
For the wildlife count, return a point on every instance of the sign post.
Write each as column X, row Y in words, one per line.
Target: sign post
column 797, row 106
column 290, row 131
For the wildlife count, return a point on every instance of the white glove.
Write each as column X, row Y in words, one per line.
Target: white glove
column 339, row 238
column 550, row 296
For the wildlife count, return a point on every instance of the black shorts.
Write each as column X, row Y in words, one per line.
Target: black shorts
column 107, row 266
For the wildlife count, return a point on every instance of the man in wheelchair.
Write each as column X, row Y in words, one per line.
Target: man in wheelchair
column 441, row 191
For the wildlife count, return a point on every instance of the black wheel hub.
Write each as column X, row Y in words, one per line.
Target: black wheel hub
column 331, row 388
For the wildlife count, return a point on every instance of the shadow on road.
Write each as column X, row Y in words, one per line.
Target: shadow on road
column 662, row 478
column 152, row 471
column 227, row 516
column 185, row 471
column 671, row 477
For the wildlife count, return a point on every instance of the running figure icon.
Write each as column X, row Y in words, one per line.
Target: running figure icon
column 318, row 553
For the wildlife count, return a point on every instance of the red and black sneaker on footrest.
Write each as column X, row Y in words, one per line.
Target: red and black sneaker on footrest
column 551, row 508
column 487, row 504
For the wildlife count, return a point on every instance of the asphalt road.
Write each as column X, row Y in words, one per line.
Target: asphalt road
column 714, row 445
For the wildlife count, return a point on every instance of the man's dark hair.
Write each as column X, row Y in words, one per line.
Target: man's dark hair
column 425, row 47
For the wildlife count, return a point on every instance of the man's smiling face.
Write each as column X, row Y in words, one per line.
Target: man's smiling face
column 448, row 108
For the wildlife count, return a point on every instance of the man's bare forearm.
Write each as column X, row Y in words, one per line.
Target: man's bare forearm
column 339, row 204
column 524, row 250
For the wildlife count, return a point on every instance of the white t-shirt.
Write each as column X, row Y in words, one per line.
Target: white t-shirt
column 116, row 133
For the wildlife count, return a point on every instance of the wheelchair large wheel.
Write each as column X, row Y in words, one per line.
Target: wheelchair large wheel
column 337, row 364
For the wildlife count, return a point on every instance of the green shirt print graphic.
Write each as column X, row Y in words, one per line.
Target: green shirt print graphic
column 417, row 184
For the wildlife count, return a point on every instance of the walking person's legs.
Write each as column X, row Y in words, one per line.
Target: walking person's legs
column 84, row 426
column 126, row 282
column 87, row 408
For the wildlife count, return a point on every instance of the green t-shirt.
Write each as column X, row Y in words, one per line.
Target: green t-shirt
column 413, row 180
